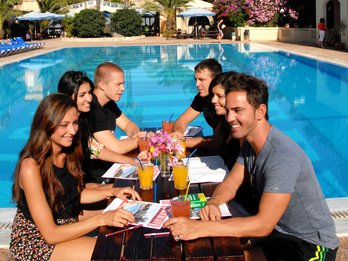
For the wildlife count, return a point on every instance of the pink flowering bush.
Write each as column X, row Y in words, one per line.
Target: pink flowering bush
column 262, row 11
column 233, row 11
column 253, row 12
column 162, row 142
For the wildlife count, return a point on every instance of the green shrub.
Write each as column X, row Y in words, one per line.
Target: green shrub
column 126, row 22
column 88, row 23
column 67, row 23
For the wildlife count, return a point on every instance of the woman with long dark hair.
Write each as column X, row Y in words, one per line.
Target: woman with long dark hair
column 48, row 189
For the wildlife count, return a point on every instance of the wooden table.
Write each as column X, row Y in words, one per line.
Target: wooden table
column 132, row 245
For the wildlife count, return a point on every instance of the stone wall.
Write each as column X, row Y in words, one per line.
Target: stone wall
column 282, row 34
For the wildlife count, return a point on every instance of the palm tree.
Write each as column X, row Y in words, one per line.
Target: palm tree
column 6, row 11
column 53, row 6
column 167, row 9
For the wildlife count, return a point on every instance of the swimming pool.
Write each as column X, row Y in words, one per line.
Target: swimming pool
column 307, row 97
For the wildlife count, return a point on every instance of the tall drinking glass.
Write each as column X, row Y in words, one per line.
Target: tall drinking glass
column 180, row 174
column 167, row 126
column 143, row 143
column 145, row 174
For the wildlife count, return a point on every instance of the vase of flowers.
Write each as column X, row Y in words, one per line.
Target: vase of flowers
column 164, row 164
column 168, row 150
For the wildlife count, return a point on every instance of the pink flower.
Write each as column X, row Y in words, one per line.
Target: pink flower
column 162, row 142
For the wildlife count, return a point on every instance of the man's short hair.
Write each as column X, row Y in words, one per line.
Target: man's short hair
column 256, row 89
column 102, row 73
column 211, row 64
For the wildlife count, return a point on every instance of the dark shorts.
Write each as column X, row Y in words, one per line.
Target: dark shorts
column 279, row 246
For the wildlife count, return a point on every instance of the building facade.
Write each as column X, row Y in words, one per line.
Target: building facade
column 335, row 13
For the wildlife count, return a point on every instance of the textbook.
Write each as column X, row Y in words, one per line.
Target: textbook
column 126, row 171
column 147, row 214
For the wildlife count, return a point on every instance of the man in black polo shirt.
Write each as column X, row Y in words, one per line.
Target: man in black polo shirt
column 205, row 71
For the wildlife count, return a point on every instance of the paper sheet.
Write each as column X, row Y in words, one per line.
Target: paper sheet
column 148, row 214
column 126, row 171
column 206, row 169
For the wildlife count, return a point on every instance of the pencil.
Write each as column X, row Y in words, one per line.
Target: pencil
column 161, row 234
column 123, row 230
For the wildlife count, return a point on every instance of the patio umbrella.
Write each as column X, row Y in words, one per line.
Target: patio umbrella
column 196, row 12
column 53, row 16
column 37, row 16
column 201, row 20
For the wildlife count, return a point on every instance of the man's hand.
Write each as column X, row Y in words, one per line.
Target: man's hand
column 211, row 211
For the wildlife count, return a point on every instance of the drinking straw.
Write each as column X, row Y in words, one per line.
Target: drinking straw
column 187, row 189
column 188, row 158
column 141, row 164
column 171, row 116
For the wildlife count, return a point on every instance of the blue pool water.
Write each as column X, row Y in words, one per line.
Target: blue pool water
column 307, row 97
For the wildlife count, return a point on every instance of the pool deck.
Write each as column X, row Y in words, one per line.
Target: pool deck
column 330, row 55
column 338, row 207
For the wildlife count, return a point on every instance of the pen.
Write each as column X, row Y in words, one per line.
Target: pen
column 161, row 234
column 123, row 230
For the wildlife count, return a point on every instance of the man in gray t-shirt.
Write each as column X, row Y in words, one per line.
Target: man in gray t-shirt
column 293, row 221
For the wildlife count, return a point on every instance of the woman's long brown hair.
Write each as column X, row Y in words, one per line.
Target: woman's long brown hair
column 48, row 116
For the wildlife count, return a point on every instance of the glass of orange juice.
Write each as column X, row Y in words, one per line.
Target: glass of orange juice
column 180, row 174
column 145, row 174
column 167, row 126
column 180, row 206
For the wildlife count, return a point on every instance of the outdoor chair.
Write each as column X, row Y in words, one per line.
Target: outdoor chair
column 181, row 34
column 21, row 42
column 39, row 44
column 10, row 49
column 15, row 44
column 4, row 51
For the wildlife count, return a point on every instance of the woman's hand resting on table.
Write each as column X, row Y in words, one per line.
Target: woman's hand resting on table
column 122, row 193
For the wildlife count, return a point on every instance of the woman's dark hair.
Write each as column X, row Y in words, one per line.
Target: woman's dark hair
column 218, row 80
column 47, row 119
column 70, row 84
column 71, row 81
